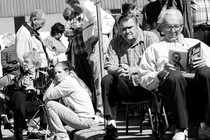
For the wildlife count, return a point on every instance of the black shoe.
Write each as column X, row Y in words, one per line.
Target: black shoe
column 111, row 133
column 8, row 126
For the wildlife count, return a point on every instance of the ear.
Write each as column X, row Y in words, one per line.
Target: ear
column 67, row 72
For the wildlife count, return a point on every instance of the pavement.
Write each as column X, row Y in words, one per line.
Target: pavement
column 97, row 131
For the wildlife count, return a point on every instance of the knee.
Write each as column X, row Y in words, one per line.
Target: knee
column 204, row 72
column 175, row 76
column 106, row 80
column 50, row 104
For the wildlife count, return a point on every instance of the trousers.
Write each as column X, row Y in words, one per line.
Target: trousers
column 57, row 113
column 115, row 90
column 175, row 88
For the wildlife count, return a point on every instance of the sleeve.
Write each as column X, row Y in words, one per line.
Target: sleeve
column 108, row 22
column 147, row 70
column 22, row 46
column 7, row 66
column 60, row 90
column 111, row 58
column 205, row 53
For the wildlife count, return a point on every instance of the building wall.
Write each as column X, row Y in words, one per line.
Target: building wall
column 14, row 8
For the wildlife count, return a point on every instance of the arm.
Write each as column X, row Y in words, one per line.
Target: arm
column 22, row 46
column 148, row 70
column 111, row 63
column 8, row 66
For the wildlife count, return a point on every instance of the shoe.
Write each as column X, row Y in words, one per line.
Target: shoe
column 111, row 131
column 146, row 120
column 204, row 132
column 180, row 135
column 8, row 126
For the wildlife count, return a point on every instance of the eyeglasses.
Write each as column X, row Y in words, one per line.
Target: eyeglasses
column 176, row 27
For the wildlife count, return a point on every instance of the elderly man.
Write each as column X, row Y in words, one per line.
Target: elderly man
column 155, row 69
column 27, row 37
column 122, row 62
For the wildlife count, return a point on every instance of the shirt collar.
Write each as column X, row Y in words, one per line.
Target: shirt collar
column 31, row 30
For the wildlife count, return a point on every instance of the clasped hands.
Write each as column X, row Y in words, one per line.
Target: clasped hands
column 125, row 71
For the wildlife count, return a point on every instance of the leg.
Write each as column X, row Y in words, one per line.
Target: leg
column 58, row 113
column 95, row 65
column 19, row 105
column 110, row 94
column 175, row 89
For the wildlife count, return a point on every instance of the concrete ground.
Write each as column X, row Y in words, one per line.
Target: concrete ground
column 97, row 131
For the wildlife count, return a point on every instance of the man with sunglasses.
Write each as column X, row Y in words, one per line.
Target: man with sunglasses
column 156, row 71
column 28, row 38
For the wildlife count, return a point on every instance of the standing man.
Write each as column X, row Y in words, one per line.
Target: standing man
column 27, row 37
column 90, row 36
column 201, row 20
column 122, row 62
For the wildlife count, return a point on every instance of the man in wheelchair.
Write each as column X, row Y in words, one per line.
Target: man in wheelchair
column 155, row 70
column 23, row 93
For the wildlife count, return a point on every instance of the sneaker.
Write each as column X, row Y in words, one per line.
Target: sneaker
column 146, row 120
column 204, row 132
column 111, row 132
column 180, row 135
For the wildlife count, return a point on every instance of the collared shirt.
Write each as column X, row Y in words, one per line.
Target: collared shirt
column 9, row 61
column 26, row 41
column 201, row 12
column 157, row 55
column 120, row 52
column 90, row 26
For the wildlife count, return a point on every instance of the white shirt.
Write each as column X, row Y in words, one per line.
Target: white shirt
column 90, row 20
column 157, row 55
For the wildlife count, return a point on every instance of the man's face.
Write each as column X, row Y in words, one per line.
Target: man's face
column 172, row 27
column 129, row 30
column 176, row 58
column 38, row 23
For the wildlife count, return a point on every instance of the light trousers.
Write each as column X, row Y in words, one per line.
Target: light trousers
column 58, row 112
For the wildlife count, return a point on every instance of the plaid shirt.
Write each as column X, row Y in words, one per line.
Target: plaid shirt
column 120, row 52
column 201, row 12
column 9, row 61
column 78, row 44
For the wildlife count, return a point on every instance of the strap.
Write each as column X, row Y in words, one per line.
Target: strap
column 37, row 35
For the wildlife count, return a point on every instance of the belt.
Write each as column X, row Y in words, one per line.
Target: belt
column 202, row 27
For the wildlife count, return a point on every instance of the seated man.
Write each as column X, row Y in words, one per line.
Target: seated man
column 155, row 69
column 122, row 62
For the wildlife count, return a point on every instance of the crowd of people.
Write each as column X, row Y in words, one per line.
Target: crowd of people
column 75, row 89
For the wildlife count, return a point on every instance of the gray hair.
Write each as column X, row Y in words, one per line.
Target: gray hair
column 8, row 39
column 171, row 11
column 37, row 14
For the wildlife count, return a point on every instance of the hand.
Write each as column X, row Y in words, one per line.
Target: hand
column 169, row 67
column 122, row 73
column 198, row 62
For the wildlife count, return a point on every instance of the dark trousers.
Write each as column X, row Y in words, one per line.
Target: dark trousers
column 115, row 90
column 175, row 88
column 202, row 89
column 22, row 108
column 203, row 34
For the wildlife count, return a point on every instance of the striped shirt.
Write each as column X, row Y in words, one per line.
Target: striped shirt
column 200, row 12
